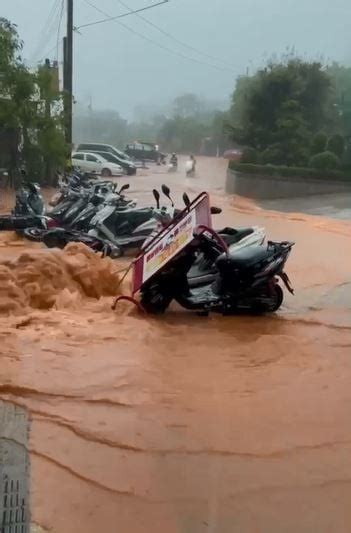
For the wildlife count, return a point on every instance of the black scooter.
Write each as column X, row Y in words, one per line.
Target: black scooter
column 203, row 270
column 29, row 209
column 59, row 237
column 245, row 281
column 74, row 210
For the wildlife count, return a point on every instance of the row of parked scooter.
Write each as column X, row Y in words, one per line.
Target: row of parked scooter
column 99, row 214
column 218, row 270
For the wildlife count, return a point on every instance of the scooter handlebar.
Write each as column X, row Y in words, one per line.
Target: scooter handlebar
column 201, row 230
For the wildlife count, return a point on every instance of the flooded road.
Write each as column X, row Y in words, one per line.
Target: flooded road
column 336, row 205
column 180, row 423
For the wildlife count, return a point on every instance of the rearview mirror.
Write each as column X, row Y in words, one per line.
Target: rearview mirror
column 157, row 197
column 166, row 191
column 186, row 199
column 215, row 210
column 124, row 187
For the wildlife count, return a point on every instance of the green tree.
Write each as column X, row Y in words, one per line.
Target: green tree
column 218, row 132
column 183, row 134
column 16, row 90
column 105, row 126
column 336, row 144
column 30, row 107
column 279, row 109
column 319, row 143
column 341, row 82
column 187, row 105
column 325, row 161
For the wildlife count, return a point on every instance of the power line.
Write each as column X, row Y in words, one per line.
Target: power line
column 47, row 29
column 172, row 37
column 47, row 54
column 56, row 46
column 110, row 18
column 59, row 29
column 161, row 46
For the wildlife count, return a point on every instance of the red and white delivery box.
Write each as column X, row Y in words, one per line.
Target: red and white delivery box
column 171, row 240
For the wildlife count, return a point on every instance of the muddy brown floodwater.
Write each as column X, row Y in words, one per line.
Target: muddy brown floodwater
column 184, row 424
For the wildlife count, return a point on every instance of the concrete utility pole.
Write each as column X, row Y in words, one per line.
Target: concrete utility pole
column 68, row 72
column 65, row 63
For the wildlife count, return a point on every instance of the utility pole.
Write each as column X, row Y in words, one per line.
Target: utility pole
column 90, row 108
column 68, row 72
column 65, row 66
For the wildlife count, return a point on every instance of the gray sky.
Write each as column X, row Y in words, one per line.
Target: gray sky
column 121, row 70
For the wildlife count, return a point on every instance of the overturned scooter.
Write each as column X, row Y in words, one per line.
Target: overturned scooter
column 245, row 281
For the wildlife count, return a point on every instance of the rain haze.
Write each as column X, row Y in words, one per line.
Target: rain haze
column 163, row 370
column 182, row 46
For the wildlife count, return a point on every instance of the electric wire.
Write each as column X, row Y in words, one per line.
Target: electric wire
column 110, row 18
column 159, row 45
column 172, row 37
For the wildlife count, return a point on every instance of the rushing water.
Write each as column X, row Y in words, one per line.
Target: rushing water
column 180, row 423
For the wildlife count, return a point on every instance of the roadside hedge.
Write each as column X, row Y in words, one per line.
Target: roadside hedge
column 290, row 172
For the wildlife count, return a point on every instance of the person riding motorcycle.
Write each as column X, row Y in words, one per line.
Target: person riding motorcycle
column 174, row 160
column 190, row 166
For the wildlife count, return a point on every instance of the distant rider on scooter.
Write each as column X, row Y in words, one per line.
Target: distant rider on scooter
column 190, row 166
column 174, row 160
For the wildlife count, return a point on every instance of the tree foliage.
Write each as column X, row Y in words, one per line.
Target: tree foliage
column 31, row 107
column 341, row 83
column 106, row 126
column 279, row 109
column 319, row 143
column 336, row 145
column 182, row 134
column 325, row 161
column 187, row 105
column 191, row 124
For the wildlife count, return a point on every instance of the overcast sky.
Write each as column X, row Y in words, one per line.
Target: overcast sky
column 119, row 69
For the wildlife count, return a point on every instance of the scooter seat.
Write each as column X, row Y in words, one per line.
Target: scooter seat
column 232, row 236
column 244, row 258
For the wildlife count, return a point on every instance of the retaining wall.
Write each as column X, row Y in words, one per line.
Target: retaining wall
column 272, row 187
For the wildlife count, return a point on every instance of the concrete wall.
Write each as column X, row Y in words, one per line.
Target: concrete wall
column 272, row 187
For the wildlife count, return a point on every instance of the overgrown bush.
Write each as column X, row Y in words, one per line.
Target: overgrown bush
column 250, row 155
column 319, row 143
column 346, row 159
column 273, row 155
column 325, row 161
column 289, row 172
column 336, row 145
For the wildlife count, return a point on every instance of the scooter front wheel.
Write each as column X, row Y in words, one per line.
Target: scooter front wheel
column 34, row 234
column 154, row 300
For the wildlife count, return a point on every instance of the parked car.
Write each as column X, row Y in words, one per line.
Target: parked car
column 88, row 162
column 234, row 154
column 145, row 152
column 128, row 166
column 99, row 147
